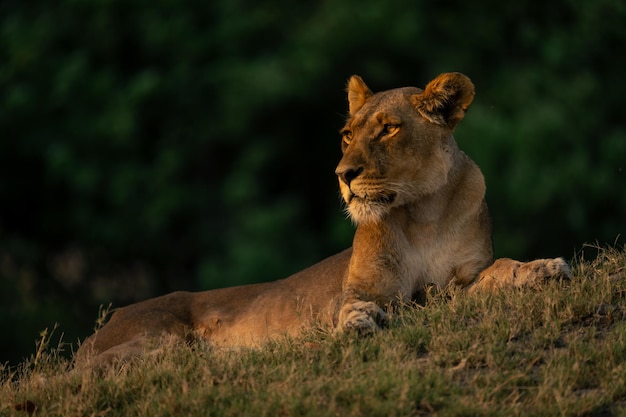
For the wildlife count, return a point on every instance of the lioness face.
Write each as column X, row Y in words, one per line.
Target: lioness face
column 394, row 146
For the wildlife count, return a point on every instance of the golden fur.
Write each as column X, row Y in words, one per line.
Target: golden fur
column 418, row 202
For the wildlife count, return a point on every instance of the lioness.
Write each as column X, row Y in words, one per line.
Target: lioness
column 419, row 205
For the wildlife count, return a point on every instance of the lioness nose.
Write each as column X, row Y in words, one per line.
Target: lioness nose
column 349, row 174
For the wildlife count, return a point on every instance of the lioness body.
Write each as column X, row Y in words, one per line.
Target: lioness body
column 419, row 205
column 236, row 316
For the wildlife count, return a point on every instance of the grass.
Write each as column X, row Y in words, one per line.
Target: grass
column 557, row 351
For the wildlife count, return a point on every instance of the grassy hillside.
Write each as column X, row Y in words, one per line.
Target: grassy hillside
column 557, row 351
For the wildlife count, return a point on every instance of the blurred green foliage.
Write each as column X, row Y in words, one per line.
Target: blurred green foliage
column 153, row 146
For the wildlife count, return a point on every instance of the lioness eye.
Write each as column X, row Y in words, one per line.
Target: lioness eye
column 390, row 128
column 346, row 136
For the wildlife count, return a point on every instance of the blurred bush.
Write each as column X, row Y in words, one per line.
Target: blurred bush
column 153, row 146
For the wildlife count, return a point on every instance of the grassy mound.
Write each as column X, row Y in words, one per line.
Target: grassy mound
column 560, row 350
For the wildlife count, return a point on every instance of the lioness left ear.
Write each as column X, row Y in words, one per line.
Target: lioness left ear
column 358, row 93
column 445, row 99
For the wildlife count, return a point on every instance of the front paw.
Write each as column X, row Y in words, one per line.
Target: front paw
column 362, row 317
column 541, row 270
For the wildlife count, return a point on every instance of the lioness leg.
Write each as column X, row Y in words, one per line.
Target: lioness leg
column 131, row 329
column 509, row 272
column 116, row 354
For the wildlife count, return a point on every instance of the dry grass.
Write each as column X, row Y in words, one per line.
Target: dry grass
column 557, row 351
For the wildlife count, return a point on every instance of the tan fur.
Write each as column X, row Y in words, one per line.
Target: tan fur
column 418, row 202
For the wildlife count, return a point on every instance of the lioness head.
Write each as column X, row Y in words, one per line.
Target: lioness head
column 396, row 144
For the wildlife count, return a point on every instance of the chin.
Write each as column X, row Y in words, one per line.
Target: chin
column 367, row 212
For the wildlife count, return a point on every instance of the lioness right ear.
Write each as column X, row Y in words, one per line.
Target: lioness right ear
column 445, row 99
column 358, row 93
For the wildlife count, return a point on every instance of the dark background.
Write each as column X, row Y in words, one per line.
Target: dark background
column 150, row 146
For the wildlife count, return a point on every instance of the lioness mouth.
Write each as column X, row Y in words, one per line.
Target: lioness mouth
column 380, row 198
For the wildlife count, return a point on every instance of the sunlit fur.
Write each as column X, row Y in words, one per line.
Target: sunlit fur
column 422, row 220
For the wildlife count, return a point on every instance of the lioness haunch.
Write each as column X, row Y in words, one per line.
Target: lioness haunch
column 419, row 205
